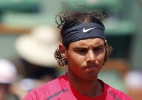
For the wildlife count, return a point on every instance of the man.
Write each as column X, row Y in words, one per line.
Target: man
column 84, row 50
column 8, row 74
column 34, row 49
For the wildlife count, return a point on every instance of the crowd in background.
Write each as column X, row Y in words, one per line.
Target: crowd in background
column 35, row 63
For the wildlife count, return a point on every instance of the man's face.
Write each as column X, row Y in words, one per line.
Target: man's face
column 85, row 58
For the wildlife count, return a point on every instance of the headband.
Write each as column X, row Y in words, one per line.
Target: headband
column 83, row 31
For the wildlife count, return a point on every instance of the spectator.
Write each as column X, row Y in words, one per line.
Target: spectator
column 7, row 77
column 133, row 81
column 36, row 57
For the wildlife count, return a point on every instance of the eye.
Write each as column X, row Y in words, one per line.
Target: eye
column 98, row 49
column 81, row 50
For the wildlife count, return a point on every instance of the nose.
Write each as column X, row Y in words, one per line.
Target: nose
column 90, row 57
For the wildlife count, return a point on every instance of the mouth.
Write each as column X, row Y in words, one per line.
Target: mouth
column 91, row 68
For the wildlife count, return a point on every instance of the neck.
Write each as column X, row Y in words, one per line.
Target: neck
column 91, row 88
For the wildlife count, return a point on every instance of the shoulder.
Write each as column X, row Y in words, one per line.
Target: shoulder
column 53, row 85
column 47, row 89
column 115, row 93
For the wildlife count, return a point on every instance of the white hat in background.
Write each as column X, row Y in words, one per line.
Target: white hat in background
column 7, row 71
column 38, row 47
column 134, row 79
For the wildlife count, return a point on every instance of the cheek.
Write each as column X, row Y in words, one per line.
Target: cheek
column 76, row 60
column 100, row 58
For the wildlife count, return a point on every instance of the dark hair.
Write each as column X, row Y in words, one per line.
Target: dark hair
column 68, row 19
column 37, row 71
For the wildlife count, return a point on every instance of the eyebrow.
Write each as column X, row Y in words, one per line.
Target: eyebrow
column 85, row 47
column 100, row 45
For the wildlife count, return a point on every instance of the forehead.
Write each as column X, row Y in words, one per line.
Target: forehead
column 88, row 42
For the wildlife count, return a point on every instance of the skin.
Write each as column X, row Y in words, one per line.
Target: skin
column 3, row 91
column 85, row 60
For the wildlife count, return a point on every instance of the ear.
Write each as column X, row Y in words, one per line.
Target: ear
column 105, row 41
column 105, row 58
column 62, row 50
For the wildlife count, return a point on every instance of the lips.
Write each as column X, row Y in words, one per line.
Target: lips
column 91, row 68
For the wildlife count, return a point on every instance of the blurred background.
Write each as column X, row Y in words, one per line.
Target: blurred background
column 28, row 18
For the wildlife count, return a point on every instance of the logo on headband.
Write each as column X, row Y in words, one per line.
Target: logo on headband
column 87, row 30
